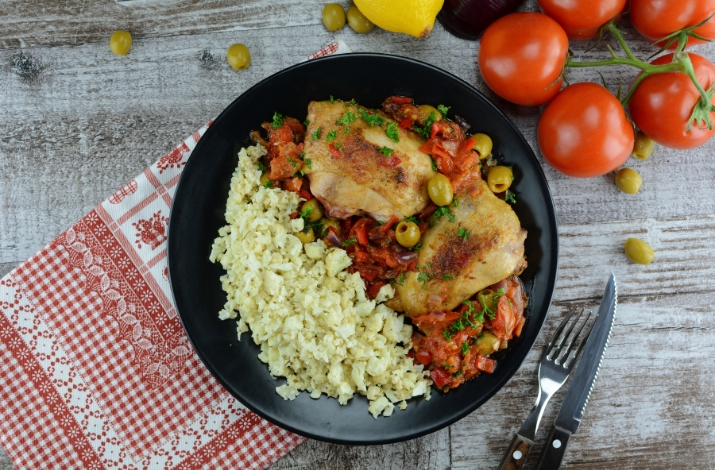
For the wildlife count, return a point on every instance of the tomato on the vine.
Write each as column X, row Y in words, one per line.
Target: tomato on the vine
column 584, row 131
column 581, row 19
column 656, row 19
column 662, row 104
column 521, row 57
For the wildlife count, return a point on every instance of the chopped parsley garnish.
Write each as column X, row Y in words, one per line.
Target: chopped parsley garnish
column 447, row 277
column 413, row 219
column 400, row 279
column 443, row 109
column 457, row 374
column 301, row 155
column 316, row 134
column 309, row 163
column 268, row 184
column 463, row 233
column 510, row 197
column 485, row 308
column 465, row 348
column 261, row 166
column 306, row 123
column 443, row 211
column 306, row 212
column 386, row 151
column 425, row 130
column 417, row 247
column 338, row 146
column 292, row 162
column 392, row 133
column 349, row 241
column 332, row 100
column 347, row 118
column 447, row 335
column 463, row 322
column 455, row 202
column 500, row 293
column 277, row 120
column 434, row 165
column 372, row 119
column 354, row 103
column 331, row 135
column 423, row 278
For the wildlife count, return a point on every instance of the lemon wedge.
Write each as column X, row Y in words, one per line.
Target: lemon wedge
column 413, row 17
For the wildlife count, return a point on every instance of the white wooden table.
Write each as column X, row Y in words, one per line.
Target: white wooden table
column 77, row 122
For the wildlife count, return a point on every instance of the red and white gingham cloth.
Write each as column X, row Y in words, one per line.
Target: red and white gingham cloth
column 96, row 371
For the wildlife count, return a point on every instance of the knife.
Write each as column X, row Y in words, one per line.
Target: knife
column 574, row 404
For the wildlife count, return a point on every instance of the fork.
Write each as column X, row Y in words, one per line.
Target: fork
column 556, row 364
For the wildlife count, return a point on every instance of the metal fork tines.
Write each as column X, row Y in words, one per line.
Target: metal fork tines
column 556, row 364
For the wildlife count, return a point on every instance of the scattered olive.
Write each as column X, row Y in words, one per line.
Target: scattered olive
column 306, row 237
column 638, row 251
column 643, row 146
column 628, row 180
column 424, row 111
column 407, row 234
column 499, row 178
column 333, row 16
column 312, row 210
column 120, row 42
column 486, row 299
column 328, row 222
column 358, row 21
column 487, row 343
column 483, row 145
column 440, row 190
column 238, row 56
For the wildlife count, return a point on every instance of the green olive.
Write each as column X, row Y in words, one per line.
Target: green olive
column 311, row 210
column 487, row 343
column 306, row 237
column 483, row 145
column 266, row 182
column 333, row 16
column 628, row 180
column 638, row 251
column 328, row 222
column 424, row 111
column 643, row 146
column 120, row 42
column 440, row 190
column 358, row 21
column 238, row 56
column 486, row 300
column 407, row 234
column 499, row 178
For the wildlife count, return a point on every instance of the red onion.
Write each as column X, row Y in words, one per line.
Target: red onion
column 462, row 123
column 333, row 239
column 499, row 285
column 434, row 299
column 438, row 315
column 406, row 257
column 376, row 236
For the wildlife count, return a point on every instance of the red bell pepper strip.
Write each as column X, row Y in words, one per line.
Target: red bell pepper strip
column 401, row 99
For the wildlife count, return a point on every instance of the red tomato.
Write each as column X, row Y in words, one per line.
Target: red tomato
column 662, row 104
column 584, row 131
column 655, row 19
column 581, row 19
column 521, row 57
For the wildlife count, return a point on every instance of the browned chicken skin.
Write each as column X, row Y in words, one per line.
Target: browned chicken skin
column 452, row 268
column 349, row 174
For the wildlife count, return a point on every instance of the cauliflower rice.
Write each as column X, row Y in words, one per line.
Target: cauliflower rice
column 310, row 317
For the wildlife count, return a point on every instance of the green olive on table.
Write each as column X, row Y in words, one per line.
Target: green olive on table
column 424, row 111
column 483, row 145
column 486, row 300
column 628, row 180
column 359, row 22
column 499, row 178
column 306, row 237
column 487, row 343
column 120, row 42
column 440, row 190
column 643, row 146
column 333, row 16
column 638, row 251
column 407, row 234
column 311, row 210
column 238, row 56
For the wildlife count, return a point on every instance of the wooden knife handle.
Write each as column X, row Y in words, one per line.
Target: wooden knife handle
column 516, row 454
column 554, row 449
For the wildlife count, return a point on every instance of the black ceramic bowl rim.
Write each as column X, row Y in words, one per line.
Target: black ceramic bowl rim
column 194, row 280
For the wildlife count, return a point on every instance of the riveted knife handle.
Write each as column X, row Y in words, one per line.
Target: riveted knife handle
column 516, row 455
column 554, row 449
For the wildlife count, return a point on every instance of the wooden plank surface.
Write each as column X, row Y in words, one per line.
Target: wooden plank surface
column 77, row 122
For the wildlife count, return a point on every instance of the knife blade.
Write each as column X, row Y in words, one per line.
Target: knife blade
column 574, row 405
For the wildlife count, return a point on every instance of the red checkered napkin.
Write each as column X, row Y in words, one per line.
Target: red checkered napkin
column 95, row 369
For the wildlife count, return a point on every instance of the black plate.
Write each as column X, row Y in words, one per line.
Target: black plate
column 198, row 211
